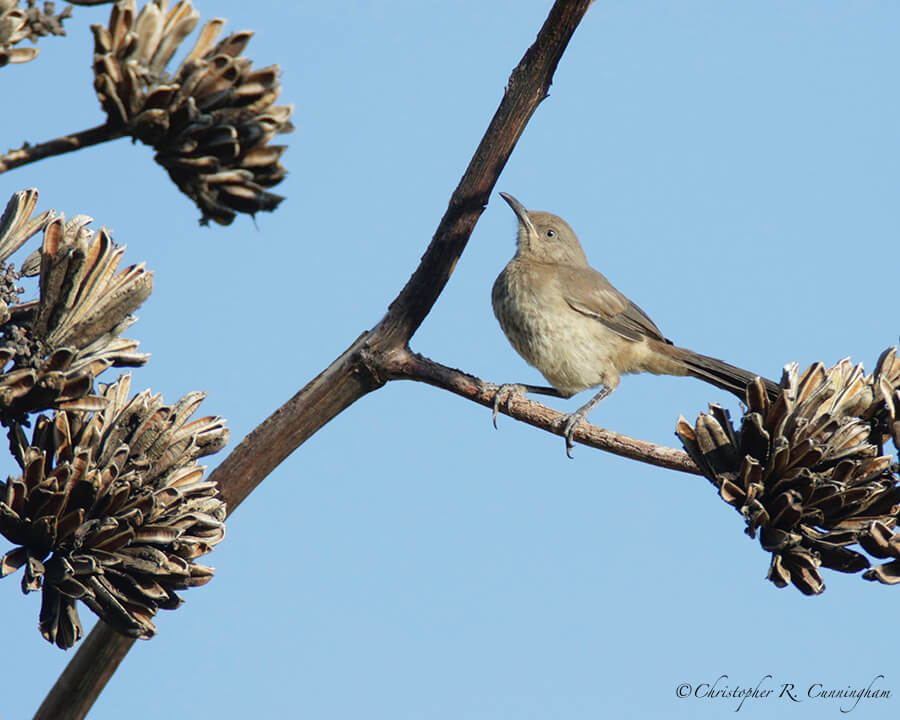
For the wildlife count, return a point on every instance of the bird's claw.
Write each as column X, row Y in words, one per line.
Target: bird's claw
column 509, row 390
column 569, row 423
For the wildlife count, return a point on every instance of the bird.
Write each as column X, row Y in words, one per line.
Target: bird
column 568, row 321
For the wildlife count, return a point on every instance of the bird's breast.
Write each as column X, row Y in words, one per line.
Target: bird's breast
column 572, row 352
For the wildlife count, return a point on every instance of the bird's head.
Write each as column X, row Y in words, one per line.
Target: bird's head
column 544, row 237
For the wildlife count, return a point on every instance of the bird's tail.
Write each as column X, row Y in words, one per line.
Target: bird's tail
column 722, row 375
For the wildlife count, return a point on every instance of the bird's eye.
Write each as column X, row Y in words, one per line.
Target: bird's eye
column 551, row 233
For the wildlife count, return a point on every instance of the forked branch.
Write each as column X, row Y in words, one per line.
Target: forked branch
column 352, row 374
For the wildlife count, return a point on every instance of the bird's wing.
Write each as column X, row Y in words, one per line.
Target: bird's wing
column 588, row 292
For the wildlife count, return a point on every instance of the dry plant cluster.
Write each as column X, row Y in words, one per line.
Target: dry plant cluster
column 110, row 507
column 807, row 471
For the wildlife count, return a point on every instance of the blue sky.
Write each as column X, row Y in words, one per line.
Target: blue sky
column 732, row 167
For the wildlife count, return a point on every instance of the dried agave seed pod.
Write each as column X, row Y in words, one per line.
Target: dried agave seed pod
column 803, row 472
column 882, row 541
column 112, row 509
column 14, row 29
column 210, row 121
column 32, row 22
column 17, row 226
column 44, row 21
column 51, row 349
column 884, row 410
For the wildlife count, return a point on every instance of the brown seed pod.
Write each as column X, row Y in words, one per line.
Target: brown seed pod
column 210, row 121
column 112, row 509
column 27, row 22
column 805, row 470
column 52, row 348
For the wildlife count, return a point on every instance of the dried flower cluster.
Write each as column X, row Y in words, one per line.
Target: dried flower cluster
column 13, row 29
column 44, row 20
column 51, row 349
column 111, row 509
column 210, row 122
column 884, row 410
column 806, row 471
column 31, row 22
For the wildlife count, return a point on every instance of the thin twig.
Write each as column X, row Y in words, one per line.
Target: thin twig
column 60, row 146
column 412, row 366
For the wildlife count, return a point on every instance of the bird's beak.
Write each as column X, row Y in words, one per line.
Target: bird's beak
column 521, row 213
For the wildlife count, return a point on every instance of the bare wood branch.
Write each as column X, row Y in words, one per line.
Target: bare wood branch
column 412, row 366
column 60, row 146
column 349, row 377
column 86, row 674
column 326, row 396
column 528, row 86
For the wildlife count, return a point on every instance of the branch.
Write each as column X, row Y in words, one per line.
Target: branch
column 86, row 674
column 348, row 378
column 528, row 86
column 60, row 146
column 323, row 398
column 407, row 365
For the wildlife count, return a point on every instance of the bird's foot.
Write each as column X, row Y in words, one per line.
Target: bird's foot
column 568, row 425
column 505, row 394
column 570, row 422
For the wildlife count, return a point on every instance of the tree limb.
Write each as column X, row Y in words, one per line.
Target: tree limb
column 528, row 86
column 60, row 146
column 412, row 366
column 86, row 674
